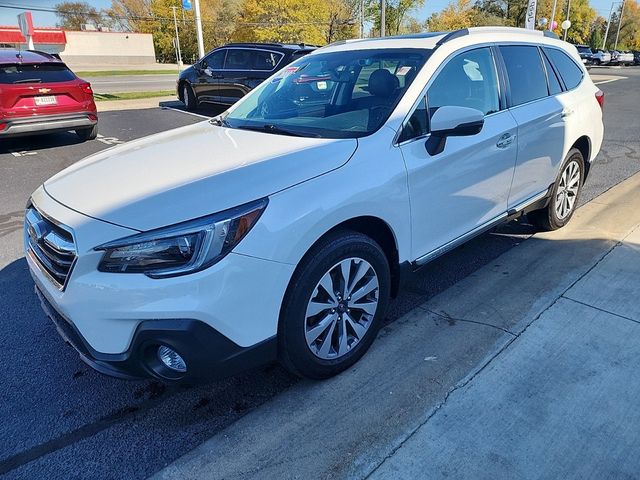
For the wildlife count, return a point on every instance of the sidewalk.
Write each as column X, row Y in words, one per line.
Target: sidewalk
column 527, row 368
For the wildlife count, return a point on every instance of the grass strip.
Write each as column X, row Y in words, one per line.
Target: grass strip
column 111, row 73
column 106, row 97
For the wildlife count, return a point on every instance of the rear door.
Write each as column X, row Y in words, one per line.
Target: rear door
column 245, row 69
column 40, row 88
column 540, row 119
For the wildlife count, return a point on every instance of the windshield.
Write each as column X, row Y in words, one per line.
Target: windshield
column 343, row 94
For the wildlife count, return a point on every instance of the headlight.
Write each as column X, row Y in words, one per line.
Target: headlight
column 183, row 248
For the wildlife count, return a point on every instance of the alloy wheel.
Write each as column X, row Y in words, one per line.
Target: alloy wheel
column 185, row 96
column 567, row 191
column 341, row 308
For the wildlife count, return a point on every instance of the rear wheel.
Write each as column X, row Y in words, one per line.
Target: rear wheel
column 565, row 194
column 334, row 305
column 188, row 97
column 87, row 133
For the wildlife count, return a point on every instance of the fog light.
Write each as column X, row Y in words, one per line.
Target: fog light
column 171, row 359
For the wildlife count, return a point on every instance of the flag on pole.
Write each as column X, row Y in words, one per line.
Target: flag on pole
column 530, row 21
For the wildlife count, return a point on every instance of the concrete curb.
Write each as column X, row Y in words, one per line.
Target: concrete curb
column 138, row 104
column 346, row 427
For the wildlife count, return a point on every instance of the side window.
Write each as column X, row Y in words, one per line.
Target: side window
column 238, row 59
column 266, row 61
column 554, row 83
column 570, row 72
column 526, row 75
column 215, row 60
column 467, row 80
column 418, row 123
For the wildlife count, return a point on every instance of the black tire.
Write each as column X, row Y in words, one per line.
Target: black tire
column 294, row 352
column 87, row 133
column 547, row 218
column 188, row 97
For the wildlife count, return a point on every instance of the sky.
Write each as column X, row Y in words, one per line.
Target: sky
column 8, row 16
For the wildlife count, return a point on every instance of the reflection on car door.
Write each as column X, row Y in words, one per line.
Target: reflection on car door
column 244, row 70
column 541, row 130
column 466, row 187
column 209, row 72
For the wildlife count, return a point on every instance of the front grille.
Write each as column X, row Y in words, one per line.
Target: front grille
column 50, row 245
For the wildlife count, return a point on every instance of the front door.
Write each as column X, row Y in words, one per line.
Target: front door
column 209, row 73
column 466, row 186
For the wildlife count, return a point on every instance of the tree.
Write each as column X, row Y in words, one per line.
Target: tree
column 630, row 28
column 73, row 15
column 295, row 21
column 397, row 15
column 455, row 16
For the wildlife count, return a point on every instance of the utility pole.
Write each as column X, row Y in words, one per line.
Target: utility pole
column 361, row 18
column 553, row 14
column 199, row 28
column 178, row 54
column 383, row 20
column 606, row 33
column 566, row 29
column 615, row 46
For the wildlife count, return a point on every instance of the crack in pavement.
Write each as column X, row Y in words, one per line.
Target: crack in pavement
column 449, row 318
column 85, row 431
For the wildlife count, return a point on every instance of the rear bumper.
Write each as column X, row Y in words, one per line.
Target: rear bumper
column 47, row 123
column 208, row 354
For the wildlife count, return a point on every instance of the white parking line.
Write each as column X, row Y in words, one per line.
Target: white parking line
column 608, row 81
column 109, row 140
column 22, row 153
column 184, row 111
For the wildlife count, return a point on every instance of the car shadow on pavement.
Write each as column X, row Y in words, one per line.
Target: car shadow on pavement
column 23, row 145
column 209, row 110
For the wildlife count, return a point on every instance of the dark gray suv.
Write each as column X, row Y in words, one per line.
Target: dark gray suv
column 228, row 73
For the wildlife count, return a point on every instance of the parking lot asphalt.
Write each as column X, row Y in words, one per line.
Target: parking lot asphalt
column 62, row 420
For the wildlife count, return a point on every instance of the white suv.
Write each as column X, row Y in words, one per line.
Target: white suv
column 280, row 229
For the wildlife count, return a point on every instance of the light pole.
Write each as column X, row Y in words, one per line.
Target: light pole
column 361, row 18
column 606, row 33
column 199, row 28
column 178, row 54
column 383, row 20
column 553, row 14
column 567, row 20
column 615, row 45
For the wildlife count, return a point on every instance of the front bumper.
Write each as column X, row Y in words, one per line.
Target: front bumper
column 47, row 123
column 207, row 353
column 217, row 318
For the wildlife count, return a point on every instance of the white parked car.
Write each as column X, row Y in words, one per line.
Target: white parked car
column 600, row 57
column 280, row 229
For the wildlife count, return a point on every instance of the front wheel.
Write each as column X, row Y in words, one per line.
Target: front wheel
column 564, row 196
column 334, row 305
column 188, row 97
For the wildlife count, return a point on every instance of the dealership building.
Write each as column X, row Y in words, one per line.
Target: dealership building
column 85, row 48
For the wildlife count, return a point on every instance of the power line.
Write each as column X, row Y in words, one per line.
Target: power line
column 154, row 18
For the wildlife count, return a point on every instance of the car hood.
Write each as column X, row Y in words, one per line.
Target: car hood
column 190, row 172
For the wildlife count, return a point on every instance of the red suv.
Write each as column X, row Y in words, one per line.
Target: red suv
column 39, row 94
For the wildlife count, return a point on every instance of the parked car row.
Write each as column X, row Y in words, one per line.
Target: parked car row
column 591, row 56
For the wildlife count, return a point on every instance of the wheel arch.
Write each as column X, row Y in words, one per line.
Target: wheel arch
column 584, row 145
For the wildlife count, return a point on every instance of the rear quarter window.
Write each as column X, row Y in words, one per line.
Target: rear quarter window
column 35, row 73
column 570, row 72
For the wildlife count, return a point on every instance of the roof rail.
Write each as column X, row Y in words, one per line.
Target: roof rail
column 452, row 35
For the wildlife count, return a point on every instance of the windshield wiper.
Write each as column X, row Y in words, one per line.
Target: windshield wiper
column 270, row 128
column 29, row 80
column 220, row 122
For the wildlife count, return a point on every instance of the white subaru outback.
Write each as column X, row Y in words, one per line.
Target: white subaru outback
column 280, row 229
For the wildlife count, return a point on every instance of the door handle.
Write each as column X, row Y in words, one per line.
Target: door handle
column 566, row 113
column 505, row 140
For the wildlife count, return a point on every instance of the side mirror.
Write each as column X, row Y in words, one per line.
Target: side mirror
column 450, row 121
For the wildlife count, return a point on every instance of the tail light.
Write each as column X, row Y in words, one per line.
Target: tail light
column 600, row 98
column 86, row 88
